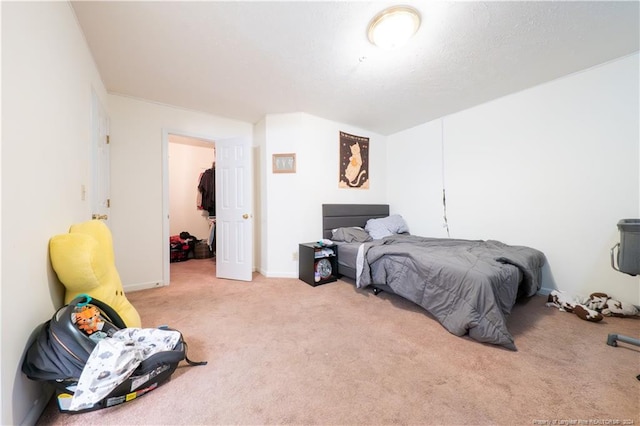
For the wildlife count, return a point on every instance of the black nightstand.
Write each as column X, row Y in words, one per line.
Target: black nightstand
column 318, row 264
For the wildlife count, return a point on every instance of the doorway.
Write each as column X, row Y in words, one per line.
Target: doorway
column 234, row 204
column 188, row 159
column 100, row 190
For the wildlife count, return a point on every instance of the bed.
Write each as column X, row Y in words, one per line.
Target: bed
column 469, row 286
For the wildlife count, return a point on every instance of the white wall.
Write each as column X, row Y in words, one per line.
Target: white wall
column 137, row 179
column 414, row 184
column 292, row 202
column 186, row 164
column 259, row 193
column 553, row 167
column 47, row 78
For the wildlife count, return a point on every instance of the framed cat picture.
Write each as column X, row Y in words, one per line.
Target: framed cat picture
column 354, row 161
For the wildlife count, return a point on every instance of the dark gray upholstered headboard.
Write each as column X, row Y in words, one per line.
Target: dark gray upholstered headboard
column 339, row 215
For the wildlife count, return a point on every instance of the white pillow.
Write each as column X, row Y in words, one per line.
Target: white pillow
column 350, row 234
column 383, row 227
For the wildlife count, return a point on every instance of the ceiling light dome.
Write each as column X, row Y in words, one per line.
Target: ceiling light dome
column 393, row 27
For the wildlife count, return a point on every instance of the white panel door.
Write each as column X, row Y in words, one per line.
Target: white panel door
column 99, row 193
column 234, row 209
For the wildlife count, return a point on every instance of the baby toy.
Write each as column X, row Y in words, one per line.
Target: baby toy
column 88, row 319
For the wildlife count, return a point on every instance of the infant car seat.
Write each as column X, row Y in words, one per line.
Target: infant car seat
column 61, row 349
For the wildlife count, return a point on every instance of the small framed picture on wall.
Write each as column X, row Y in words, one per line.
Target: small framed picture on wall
column 284, row 163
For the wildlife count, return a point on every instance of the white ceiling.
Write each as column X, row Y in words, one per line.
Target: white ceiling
column 243, row 60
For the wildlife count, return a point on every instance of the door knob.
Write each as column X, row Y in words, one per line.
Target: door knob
column 245, row 216
column 99, row 216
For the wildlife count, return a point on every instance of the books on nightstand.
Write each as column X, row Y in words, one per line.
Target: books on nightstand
column 325, row 252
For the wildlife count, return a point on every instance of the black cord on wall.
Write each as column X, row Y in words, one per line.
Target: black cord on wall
column 444, row 196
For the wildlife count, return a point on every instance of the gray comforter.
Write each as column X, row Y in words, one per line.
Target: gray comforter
column 469, row 286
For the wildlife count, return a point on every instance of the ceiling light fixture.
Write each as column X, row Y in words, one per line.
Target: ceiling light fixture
column 393, row 27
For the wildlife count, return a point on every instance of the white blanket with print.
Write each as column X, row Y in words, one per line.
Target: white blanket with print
column 114, row 359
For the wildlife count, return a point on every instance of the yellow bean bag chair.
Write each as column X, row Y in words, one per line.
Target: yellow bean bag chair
column 84, row 261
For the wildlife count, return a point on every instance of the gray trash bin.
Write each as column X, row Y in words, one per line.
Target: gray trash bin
column 628, row 248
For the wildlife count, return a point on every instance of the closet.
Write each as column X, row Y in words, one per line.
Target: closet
column 189, row 160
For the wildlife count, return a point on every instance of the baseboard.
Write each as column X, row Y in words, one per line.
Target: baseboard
column 278, row 274
column 38, row 407
column 142, row 286
column 545, row 291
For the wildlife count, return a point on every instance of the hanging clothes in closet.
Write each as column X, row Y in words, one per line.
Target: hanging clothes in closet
column 207, row 188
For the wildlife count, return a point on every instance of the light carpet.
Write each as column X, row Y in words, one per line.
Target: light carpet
column 282, row 352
